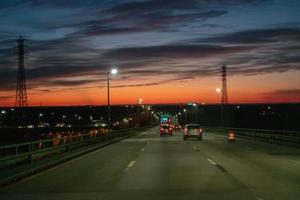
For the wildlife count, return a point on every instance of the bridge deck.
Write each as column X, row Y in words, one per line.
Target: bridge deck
column 148, row 166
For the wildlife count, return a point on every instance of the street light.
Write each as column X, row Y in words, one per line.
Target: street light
column 219, row 90
column 196, row 107
column 185, row 116
column 140, row 102
column 109, row 73
column 40, row 115
column 3, row 112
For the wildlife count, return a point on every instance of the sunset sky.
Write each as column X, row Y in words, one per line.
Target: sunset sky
column 166, row 51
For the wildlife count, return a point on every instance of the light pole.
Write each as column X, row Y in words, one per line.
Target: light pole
column 185, row 116
column 40, row 115
column 179, row 118
column 196, row 107
column 3, row 112
column 219, row 90
column 140, row 101
column 113, row 71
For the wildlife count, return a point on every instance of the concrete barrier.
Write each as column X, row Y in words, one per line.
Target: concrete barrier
column 29, row 151
column 289, row 138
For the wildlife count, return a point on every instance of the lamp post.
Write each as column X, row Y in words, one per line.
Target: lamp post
column 140, row 101
column 219, row 90
column 196, row 107
column 185, row 116
column 3, row 112
column 40, row 115
column 108, row 74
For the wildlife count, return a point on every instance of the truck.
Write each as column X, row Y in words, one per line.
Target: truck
column 165, row 118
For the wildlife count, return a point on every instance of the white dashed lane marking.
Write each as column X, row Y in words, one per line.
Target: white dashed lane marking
column 129, row 166
column 211, row 161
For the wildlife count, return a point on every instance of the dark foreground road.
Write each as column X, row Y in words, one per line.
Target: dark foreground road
column 148, row 166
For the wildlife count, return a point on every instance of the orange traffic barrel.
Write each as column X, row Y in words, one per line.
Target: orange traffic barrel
column 231, row 136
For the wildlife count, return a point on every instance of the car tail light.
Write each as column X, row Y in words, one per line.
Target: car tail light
column 185, row 131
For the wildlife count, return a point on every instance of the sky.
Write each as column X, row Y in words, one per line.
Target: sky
column 166, row 51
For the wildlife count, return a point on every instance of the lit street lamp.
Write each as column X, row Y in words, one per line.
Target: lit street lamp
column 219, row 90
column 40, row 115
column 185, row 116
column 112, row 72
column 140, row 102
column 3, row 112
column 196, row 107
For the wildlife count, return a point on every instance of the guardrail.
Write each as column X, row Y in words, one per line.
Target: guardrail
column 292, row 137
column 28, row 151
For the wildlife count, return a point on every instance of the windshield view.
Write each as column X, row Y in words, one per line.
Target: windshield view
column 150, row 99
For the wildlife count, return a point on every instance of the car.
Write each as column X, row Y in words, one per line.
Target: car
column 166, row 129
column 176, row 127
column 192, row 131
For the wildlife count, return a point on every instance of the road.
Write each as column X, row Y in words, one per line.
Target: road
column 148, row 166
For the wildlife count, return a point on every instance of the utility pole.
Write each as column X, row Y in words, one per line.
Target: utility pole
column 224, row 85
column 224, row 92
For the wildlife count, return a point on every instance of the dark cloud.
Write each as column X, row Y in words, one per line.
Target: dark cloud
column 173, row 51
column 286, row 92
column 155, row 83
column 70, row 83
column 120, row 24
column 257, row 36
column 138, row 7
column 259, row 70
column 45, row 76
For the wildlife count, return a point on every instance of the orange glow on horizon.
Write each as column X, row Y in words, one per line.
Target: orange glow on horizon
column 253, row 89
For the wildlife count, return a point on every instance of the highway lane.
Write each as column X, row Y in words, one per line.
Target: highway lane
column 152, row 167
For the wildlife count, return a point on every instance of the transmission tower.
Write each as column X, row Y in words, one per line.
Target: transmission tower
column 224, row 85
column 21, row 94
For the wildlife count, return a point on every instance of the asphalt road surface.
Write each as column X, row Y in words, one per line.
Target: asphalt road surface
column 148, row 166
